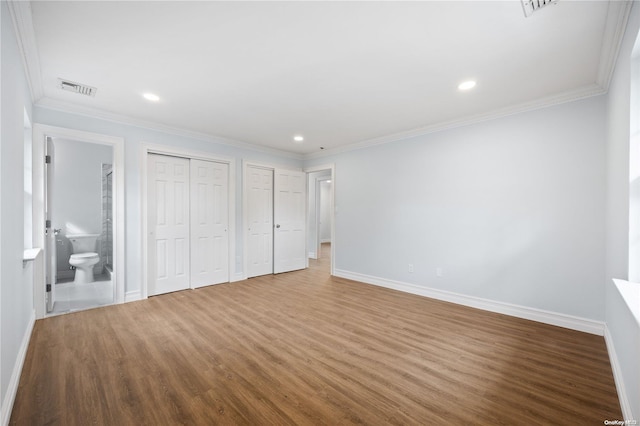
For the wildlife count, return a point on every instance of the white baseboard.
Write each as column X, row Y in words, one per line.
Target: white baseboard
column 239, row 276
column 618, row 377
column 132, row 296
column 12, row 390
column 533, row 314
column 325, row 240
column 312, row 255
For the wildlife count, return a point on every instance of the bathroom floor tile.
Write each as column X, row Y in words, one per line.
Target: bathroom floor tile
column 72, row 297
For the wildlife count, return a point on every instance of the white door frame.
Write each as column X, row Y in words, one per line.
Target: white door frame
column 319, row 208
column 332, row 167
column 245, row 213
column 316, row 213
column 40, row 132
column 148, row 148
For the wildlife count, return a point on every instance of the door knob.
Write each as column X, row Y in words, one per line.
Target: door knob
column 278, row 226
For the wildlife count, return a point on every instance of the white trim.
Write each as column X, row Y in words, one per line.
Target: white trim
column 40, row 132
column 560, row 98
column 185, row 153
column 2, row 410
column 38, row 237
column 57, row 105
column 149, row 148
column 12, row 389
column 270, row 166
column 319, row 168
column 132, row 296
column 316, row 225
column 25, row 34
column 618, row 13
column 618, row 377
column 569, row 96
column 617, row 17
column 630, row 293
column 533, row 314
column 320, row 241
column 238, row 276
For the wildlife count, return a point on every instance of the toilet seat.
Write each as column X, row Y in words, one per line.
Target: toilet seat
column 84, row 256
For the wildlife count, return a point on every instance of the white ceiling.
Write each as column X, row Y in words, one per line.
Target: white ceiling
column 339, row 73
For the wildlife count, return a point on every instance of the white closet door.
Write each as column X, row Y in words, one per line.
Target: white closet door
column 168, row 224
column 259, row 187
column 289, row 218
column 209, row 223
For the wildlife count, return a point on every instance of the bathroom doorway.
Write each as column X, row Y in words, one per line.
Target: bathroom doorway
column 82, row 192
column 81, row 209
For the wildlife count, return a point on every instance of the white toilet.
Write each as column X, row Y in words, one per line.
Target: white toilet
column 84, row 256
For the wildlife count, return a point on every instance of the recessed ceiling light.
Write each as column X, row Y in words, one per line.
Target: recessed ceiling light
column 466, row 85
column 298, row 138
column 151, row 97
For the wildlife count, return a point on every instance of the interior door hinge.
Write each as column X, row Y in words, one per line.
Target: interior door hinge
column 47, row 159
column 48, row 288
column 47, row 223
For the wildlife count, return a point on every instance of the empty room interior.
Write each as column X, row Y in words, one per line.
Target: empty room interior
column 320, row 212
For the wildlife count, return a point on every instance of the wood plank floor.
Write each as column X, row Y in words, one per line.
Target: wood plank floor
column 306, row 348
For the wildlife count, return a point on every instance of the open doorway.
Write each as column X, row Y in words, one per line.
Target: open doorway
column 78, row 219
column 320, row 217
column 80, row 203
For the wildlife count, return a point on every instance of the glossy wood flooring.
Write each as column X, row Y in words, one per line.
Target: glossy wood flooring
column 305, row 348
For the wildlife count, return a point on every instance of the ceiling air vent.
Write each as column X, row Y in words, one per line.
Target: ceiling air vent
column 82, row 89
column 530, row 6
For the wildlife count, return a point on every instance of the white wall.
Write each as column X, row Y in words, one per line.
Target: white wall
column 510, row 209
column 28, row 184
column 134, row 138
column 16, row 305
column 622, row 250
column 77, row 190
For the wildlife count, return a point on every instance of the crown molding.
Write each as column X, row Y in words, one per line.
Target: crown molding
column 57, row 105
column 25, row 34
column 617, row 17
column 569, row 96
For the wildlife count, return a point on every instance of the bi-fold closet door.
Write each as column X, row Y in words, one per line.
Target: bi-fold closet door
column 188, row 218
column 276, row 214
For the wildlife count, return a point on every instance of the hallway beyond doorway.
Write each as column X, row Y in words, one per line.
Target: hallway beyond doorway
column 323, row 262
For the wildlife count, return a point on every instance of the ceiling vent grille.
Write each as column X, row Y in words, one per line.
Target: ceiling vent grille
column 71, row 86
column 530, row 6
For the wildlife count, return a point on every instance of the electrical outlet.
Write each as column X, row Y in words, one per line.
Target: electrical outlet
column 439, row 272
column 411, row 268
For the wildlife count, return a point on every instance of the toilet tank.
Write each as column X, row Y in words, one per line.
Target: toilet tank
column 83, row 243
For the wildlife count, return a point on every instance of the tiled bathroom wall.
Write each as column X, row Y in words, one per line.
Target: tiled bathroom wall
column 106, row 237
